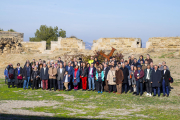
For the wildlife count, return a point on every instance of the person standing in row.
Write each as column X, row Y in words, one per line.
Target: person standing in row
column 60, row 77
column 26, row 75
column 83, row 76
column 147, row 78
column 44, row 76
column 52, row 76
column 91, row 76
column 35, row 77
column 139, row 74
column 125, row 74
column 106, row 70
column 165, row 80
column 119, row 80
column 99, row 79
column 155, row 80
column 76, row 77
column 111, row 78
column 70, row 70
column 11, row 75
column 18, row 76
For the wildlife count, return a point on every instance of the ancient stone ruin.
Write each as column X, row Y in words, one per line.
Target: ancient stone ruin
column 117, row 43
column 10, row 42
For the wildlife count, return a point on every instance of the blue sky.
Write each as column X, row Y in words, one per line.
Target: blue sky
column 92, row 19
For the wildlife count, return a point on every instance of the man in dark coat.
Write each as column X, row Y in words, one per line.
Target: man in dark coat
column 106, row 70
column 18, row 72
column 60, row 61
column 126, row 74
column 26, row 75
column 165, row 80
column 44, row 76
column 155, row 80
column 11, row 75
column 135, row 63
column 70, row 70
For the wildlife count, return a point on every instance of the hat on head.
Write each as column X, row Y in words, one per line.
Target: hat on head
column 139, row 66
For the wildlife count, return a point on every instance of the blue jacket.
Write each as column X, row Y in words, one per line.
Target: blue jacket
column 77, row 76
column 6, row 73
column 129, row 68
column 44, row 76
column 139, row 61
column 70, row 71
column 102, row 75
column 64, row 79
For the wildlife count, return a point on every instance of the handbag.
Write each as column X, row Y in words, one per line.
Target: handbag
column 11, row 76
column 75, row 83
column 19, row 77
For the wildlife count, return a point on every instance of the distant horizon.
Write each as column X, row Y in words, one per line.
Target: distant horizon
column 91, row 20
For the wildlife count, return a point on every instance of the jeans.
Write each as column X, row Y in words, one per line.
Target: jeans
column 91, row 79
column 70, row 83
column 26, row 83
column 60, row 84
column 165, row 88
column 158, row 91
column 139, row 87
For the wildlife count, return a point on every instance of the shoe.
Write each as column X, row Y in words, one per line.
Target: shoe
column 101, row 92
column 163, row 95
column 109, row 92
column 167, row 95
column 89, row 90
column 24, row 89
column 137, row 95
column 118, row 93
column 154, row 95
column 49, row 90
column 114, row 92
column 140, row 94
column 147, row 94
column 98, row 91
column 150, row 94
column 125, row 92
column 158, row 95
column 59, row 90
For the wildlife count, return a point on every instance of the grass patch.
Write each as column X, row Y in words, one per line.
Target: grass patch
column 90, row 104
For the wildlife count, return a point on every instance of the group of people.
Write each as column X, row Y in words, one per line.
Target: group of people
column 111, row 75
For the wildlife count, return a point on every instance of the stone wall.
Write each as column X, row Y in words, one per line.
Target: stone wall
column 67, row 44
column 163, row 43
column 10, row 42
column 117, row 43
column 34, row 46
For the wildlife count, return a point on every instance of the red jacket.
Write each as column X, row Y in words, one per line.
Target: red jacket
column 140, row 76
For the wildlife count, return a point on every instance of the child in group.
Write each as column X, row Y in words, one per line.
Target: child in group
column 100, row 79
column 66, row 80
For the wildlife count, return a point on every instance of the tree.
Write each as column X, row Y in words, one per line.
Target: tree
column 47, row 34
column 11, row 30
column 1, row 29
column 72, row 36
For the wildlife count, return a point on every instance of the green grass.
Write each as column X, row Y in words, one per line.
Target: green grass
column 105, row 106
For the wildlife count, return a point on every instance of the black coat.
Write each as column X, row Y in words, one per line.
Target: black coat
column 156, row 78
column 136, row 64
column 85, row 73
column 106, row 72
column 94, row 71
column 16, row 74
column 44, row 76
column 25, row 73
column 166, row 77
column 35, row 74
column 125, row 73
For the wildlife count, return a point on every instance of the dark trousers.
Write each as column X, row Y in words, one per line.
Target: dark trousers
column 60, row 84
column 112, row 88
column 148, row 86
column 100, row 85
column 70, row 84
column 96, row 85
column 165, row 88
column 125, row 87
column 35, row 82
column 157, row 89
column 139, row 87
column 52, row 84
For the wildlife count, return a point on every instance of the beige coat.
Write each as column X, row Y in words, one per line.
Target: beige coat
column 52, row 71
column 110, row 77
